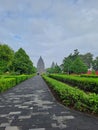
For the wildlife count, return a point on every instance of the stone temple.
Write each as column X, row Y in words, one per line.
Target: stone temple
column 40, row 66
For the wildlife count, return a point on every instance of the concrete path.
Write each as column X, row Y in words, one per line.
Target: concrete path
column 31, row 106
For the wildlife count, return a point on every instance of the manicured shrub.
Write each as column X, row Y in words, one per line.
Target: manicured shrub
column 86, row 84
column 74, row 97
column 89, row 76
column 20, row 78
column 8, row 81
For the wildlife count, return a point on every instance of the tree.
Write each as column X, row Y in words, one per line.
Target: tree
column 6, row 58
column 87, row 58
column 76, row 54
column 57, row 69
column 54, row 68
column 78, row 66
column 22, row 63
column 95, row 64
column 53, row 65
column 75, row 63
column 67, row 62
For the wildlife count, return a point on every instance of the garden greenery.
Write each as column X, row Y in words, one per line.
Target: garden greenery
column 74, row 97
column 7, row 82
column 86, row 84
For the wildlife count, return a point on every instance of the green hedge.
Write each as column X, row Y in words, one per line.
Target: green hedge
column 89, row 76
column 20, row 78
column 74, row 97
column 7, row 82
column 86, row 84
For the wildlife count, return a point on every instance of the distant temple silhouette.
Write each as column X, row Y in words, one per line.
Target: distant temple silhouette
column 40, row 66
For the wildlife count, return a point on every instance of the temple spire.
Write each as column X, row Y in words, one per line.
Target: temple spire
column 40, row 66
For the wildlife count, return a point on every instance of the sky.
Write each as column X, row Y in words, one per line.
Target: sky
column 50, row 28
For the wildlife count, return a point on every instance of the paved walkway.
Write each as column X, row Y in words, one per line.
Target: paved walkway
column 31, row 106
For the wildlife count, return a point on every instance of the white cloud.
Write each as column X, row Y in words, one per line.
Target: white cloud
column 50, row 28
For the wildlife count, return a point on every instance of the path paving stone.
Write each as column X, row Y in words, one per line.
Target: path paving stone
column 31, row 106
column 11, row 128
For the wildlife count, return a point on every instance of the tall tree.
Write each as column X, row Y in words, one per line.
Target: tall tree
column 6, row 58
column 74, row 63
column 22, row 63
column 67, row 62
column 54, row 68
column 87, row 58
column 76, row 54
column 53, row 65
column 57, row 69
column 78, row 66
column 95, row 64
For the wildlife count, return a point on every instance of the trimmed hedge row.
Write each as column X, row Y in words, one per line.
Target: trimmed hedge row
column 74, row 97
column 86, row 84
column 20, row 78
column 7, row 82
column 89, row 76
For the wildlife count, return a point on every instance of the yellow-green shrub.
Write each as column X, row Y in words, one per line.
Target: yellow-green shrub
column 74, row 97
column 7, row 83
column 86, row 84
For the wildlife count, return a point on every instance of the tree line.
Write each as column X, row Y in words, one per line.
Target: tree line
column 76, row 63
column 15, row 62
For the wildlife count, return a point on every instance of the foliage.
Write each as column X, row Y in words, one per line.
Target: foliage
column 53, row 65
column 89, row 76
column 78, row 66
column 54, row 69
column 90, row 85
column 87, row 59
column 11, row 62
column 73, row 96
column 22, row 63
column 67, row 62
column 73, row 64
column 95, row 63
column 7, row 82
column 6, row 58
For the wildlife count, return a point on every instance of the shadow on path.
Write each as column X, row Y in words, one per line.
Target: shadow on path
column 31, row 106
